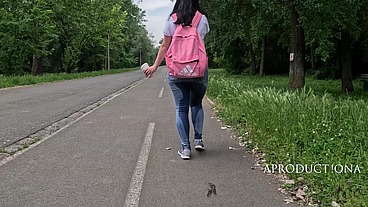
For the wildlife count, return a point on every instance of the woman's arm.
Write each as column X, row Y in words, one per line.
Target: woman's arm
column 160, row 56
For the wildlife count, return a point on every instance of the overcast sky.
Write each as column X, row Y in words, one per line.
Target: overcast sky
column 157, row 12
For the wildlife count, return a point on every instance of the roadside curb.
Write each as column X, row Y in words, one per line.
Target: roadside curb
column 210, row 101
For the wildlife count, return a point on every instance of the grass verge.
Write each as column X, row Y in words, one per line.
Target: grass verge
column 310, row 127
column 2, row 150
column 11, row 81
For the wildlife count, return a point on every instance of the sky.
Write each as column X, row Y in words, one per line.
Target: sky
column 157, row 12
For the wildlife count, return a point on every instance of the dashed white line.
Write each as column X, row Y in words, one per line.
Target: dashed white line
column 132, row 198
column 161, row 92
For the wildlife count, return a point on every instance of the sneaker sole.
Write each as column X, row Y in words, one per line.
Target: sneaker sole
column 199, row 148
column 184, row 157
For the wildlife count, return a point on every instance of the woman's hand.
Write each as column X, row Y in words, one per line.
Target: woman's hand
column 160, row 56
column 149, row 71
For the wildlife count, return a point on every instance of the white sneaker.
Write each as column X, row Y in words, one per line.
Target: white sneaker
column 184, row 154
column 198, row 145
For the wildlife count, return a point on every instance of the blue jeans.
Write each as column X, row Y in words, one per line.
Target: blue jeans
column 188, row 92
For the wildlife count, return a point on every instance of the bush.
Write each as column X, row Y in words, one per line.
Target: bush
column 327, row 73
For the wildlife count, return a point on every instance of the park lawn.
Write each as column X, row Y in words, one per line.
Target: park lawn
column 317, row 126
column 21, row 80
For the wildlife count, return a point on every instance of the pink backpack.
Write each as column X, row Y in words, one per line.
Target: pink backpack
column 186, row 56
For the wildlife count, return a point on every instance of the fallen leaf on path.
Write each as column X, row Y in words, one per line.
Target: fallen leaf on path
column 288, row 200
column 255, row 151
column 283, row 191
column 242, row 144
column 300, row 194
column 211, row 190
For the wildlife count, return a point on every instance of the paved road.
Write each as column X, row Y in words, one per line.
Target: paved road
column 117, row 156
column 25, row 110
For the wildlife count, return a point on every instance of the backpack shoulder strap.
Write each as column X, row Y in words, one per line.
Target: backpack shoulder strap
column 196, row 19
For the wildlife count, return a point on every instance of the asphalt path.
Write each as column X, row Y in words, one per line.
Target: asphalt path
column 26, row 110
column 124, row 153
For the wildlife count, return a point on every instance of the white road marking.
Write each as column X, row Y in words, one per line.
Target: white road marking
column 132, row 198
column 161, row 92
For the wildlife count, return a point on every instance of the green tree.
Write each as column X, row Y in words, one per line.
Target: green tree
column 138, row 43
column 84, row 26
column 242, row 32
column 28, row 30
column 70, row 36
column 334, row 27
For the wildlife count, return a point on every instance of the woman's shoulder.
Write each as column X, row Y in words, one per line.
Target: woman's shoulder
column 204, row 19
column 203, row 16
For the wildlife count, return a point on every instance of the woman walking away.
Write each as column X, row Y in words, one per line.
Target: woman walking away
column 188, row 82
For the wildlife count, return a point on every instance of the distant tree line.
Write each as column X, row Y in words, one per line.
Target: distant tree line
column 38, row 36
column 324, row 37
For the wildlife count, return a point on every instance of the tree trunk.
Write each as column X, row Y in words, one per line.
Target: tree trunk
column 37, row 65
column 261, row 68
column 253, row 59
column 239, row 54
column 297, row 48
column 346, row 63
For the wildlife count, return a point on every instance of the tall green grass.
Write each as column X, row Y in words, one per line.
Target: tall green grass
column 301, row 127
column 21, row 80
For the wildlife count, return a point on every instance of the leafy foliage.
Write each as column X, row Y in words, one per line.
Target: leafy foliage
column 329, row 27
column 70, row 36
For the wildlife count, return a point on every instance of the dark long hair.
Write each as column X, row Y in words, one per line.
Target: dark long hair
column 185, row 11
